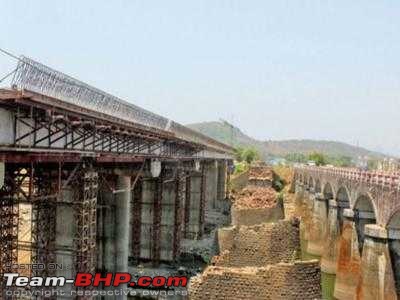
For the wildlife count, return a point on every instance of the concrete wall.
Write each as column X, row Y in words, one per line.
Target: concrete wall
column 298, row 280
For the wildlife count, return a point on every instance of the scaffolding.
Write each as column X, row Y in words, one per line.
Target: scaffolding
column 136, row 212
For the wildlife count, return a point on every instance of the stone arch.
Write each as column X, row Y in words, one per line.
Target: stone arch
column 311, row 183
column 343, row 202
column 318, row 186
column 327, row 193
column 364, row 213
column 393, row 228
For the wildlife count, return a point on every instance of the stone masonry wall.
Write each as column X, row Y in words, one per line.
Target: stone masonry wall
column 286, row 281
column 258, row 245
column 252, row 216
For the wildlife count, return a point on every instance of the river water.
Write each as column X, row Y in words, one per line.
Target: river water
column 327, row 280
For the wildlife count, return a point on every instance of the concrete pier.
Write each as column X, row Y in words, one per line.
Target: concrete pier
column 212, row 185
column 318, row 226
column 122, row 222
column 349, row 261
column 377, row 278
column 329, row 255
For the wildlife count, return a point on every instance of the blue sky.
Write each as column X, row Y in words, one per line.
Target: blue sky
column 277, row 69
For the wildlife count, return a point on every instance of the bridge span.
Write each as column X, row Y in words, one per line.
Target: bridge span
column 93, row 182
column 351, row 219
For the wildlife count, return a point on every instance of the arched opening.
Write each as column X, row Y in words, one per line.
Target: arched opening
column 328, row 195
column 363, row 214
column 343, row 202
column 311, row 183
column 318, row 186
column 393, row 228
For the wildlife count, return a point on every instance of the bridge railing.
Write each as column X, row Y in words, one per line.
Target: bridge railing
column 388, row 179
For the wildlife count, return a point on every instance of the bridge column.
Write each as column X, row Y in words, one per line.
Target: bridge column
column 212, row 185
column 377, row 278
column 221, row 187
column 394, row 247
column 307, row 216
column 349, row 260
column 195, row 204
column 122, row 222
column 318, row 226
column 329, row 255
column 108, row 230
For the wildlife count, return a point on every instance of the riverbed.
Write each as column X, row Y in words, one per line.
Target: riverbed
column 327, row 280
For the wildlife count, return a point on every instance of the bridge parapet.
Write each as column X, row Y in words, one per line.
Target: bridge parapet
column 386, row 179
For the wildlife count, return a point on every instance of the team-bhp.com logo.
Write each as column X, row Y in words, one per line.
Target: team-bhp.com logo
column 85, row 280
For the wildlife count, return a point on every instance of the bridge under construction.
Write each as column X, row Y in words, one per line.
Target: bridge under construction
column 95, row 183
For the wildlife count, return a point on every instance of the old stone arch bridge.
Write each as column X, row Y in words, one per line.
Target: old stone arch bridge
column 351, row 218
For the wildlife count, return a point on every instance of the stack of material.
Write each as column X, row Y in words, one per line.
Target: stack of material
column 260, row 173
column 255, row 197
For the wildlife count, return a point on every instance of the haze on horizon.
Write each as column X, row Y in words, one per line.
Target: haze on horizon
column 278, row 70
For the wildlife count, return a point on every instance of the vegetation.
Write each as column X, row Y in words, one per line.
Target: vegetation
column 320, row 159
column 247, row 155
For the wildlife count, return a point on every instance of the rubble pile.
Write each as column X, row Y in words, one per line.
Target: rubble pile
column 261, row 173
column 255, row 197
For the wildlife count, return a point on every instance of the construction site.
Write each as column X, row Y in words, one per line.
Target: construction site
column 94, row 186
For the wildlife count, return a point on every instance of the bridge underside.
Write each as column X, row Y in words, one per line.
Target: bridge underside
column 92, row 216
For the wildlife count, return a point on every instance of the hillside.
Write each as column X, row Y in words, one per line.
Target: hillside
column 232, row 135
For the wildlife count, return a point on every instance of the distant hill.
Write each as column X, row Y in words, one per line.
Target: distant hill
column 231, row 135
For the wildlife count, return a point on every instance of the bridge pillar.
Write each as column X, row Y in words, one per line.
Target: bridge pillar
column 318, row 226
column 394, row 248
column 349, row 260
column 195, row 204
column 122, row 222
column 307, row 215
column 329, row 255
column 377, row 278
column 212, row 185
column 221, row 187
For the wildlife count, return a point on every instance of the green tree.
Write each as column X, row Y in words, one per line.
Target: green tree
column 296, row 157
column 372, row 164
column 318, row 158
column 249, row 155
column 239, row 154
